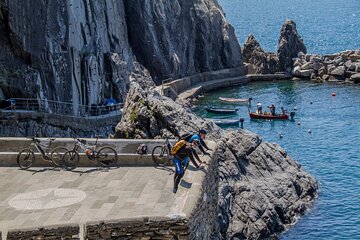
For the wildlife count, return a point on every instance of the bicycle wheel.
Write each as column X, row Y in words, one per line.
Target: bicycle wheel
column 57, row 155
column 160, row 155
column 25, row 158
column 70, row 160
column 107, row 157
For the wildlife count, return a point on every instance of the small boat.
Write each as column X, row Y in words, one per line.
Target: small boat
column 266, row 115
column 235, row 100
column 224, row 122
column 220, row 110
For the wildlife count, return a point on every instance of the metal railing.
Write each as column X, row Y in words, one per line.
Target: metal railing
column 61, row 108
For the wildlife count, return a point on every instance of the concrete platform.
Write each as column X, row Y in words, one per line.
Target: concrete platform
column 47, row 197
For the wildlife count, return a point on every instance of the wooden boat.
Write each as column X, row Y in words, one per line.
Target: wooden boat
column 266, row 115
column 235, row 100
column 225, row 122
column 220, row 110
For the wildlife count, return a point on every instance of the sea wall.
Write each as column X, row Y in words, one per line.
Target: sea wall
column 56, row 232
column 343, row 66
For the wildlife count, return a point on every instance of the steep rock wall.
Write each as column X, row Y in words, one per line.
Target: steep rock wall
column 80, row 52
column 178, row 38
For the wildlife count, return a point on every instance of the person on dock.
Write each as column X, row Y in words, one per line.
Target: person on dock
column 259, row 108
column 183, row 152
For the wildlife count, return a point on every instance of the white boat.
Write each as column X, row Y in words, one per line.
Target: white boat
column 235, row 100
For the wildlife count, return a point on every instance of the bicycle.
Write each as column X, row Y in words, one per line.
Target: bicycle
column 105, row 156
column 26, row 156
column 161, row 154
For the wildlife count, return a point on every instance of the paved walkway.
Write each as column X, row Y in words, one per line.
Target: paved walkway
column 44, row 197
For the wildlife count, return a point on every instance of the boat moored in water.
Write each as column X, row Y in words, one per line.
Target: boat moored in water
column 220, row 110
column 225, row 122
column 267, row 115
column 235, row 100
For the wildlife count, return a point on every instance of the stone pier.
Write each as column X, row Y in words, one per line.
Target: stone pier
column 128, row 202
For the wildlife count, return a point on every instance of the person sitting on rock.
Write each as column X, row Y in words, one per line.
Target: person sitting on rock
column 259, row 108
column 181, row 161
column 200, row 136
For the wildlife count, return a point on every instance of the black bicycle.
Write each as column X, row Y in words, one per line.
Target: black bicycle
column 161, row 154
column 105, row 156
column 26, row 157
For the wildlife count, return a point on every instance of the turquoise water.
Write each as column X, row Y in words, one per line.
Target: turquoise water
column 331, row 152
column 326, row 26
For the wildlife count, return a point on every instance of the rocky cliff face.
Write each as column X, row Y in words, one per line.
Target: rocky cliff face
column 289, row 46
column 80, row 51
column 261, row 189
column 262, row 62
column 178, row 38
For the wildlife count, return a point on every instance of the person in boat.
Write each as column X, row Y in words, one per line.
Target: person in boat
column 181, row 161
column 272, row 109
column 283, row 111
column 259, row 108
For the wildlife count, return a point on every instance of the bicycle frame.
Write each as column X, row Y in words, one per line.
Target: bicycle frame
column 40, row 147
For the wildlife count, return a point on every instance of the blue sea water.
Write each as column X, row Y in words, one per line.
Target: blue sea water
column 331, row 152
column 326, row 26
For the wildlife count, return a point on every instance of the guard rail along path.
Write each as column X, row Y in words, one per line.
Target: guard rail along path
column 60, row 113
column 194, row 85
column 132, row 201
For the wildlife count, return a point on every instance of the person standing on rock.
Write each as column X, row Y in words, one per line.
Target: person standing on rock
column 181, row 159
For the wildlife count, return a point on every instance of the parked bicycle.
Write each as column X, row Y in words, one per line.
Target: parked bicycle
column 26, row 156
column 105, row 156
column 161, row 154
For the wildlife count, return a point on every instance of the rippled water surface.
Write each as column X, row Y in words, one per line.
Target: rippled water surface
column 331, row 152
column 326, row 26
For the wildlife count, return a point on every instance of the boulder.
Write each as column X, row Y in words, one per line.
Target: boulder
column 322, row 71
column 305, row 73
column 338, row 72
column 354, row 57
column 325, row 77
column 290, row 45
column 331, row 68
column 355, row 78
column 306, row 66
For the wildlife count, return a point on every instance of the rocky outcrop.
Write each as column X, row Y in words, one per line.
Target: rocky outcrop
column 289, row 46
column 85, row 51
column 343, row 66
column 262, row 62
column 179, row 38
column 261, row 189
